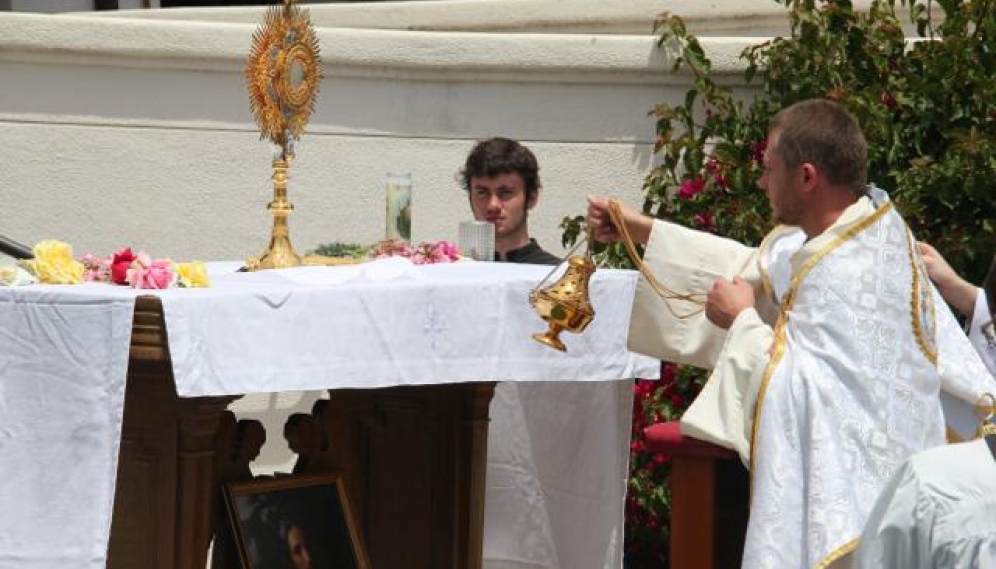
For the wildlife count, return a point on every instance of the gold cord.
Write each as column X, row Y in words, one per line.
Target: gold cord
column 666, row 294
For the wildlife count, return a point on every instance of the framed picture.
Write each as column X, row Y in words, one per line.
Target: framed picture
column 294, row 522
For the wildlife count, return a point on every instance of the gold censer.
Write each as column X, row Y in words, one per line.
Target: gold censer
column 565, row 305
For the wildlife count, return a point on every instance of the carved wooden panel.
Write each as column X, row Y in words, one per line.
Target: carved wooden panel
column 412, row 458
column 413, row 462
column 166, row 483
column 144, row 487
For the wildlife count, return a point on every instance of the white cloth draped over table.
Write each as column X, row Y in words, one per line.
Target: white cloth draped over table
column 829, row 385
column 64, row 357
column 63, row 361
column 558, row 462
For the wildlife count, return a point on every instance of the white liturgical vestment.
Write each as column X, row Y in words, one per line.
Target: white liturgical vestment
column 829, row 385
column 937, row 512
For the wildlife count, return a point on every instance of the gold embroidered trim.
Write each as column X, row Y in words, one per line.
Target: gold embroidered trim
column 837, row 554
column 778, row 348
column 918, row 332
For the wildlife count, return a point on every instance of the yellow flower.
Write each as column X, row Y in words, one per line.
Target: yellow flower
column 192, row 275
column 54, row 263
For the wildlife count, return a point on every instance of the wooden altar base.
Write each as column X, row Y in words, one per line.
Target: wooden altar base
column 413, row 460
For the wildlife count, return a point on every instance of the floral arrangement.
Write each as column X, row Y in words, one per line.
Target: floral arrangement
column 425, row 253
column 53, row 263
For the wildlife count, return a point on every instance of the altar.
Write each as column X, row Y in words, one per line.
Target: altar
column 409, row 355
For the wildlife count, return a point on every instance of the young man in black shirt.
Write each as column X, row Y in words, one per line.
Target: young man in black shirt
column 501, row 178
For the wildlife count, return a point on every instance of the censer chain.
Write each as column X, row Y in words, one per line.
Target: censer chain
column 585, row 240
column 666, row 294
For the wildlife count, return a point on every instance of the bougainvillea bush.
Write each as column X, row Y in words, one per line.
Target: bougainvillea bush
column 926, row 106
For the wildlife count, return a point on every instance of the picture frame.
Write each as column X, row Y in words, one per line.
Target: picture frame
column 294, row 522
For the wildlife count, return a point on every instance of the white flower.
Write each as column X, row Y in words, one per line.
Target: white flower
column 12, row 275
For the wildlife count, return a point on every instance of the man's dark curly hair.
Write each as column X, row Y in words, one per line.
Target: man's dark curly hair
column 497, row 156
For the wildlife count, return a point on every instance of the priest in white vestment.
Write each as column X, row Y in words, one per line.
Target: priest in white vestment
column 829, row 347
column 939, row 509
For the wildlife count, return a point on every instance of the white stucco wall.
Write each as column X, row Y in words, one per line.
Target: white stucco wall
column 134, row 130
column 137, row 132
column 630, row 17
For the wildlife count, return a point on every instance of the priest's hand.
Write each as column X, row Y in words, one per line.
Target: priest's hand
column 726, row 300
column 604, row 230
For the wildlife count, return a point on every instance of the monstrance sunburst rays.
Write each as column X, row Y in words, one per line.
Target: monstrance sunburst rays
column 283, row 74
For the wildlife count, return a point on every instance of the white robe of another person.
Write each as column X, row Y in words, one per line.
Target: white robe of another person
column 939, row 510
column 981, row 331
column 825, row 388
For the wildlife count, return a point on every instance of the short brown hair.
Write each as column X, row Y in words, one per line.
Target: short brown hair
column 497, row 156
column 825, row 134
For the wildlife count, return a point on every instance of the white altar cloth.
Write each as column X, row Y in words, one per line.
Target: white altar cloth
column 63, row 356
column 558, row 464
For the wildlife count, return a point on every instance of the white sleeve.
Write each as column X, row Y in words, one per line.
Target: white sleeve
column 723, row 412
column 687, row 262
column 982, row 333
column 964, row 376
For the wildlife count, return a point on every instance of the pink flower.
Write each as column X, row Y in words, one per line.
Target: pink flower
column 712, row 165
column 691, row 188
column 146, row 273
column 757, row 151
column 425, row 253
column 447, row 250
column 705, row 222
column 450, row 249
column 669, row 372
column 391, row 248
column 96, row 269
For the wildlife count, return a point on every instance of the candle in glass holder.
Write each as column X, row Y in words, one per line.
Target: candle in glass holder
column 398, row 192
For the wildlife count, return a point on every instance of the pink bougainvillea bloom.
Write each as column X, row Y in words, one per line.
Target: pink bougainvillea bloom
column 690, row 188
column 757, row 151
column 705, row 222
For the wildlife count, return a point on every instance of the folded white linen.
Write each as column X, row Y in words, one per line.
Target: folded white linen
column 390, row 324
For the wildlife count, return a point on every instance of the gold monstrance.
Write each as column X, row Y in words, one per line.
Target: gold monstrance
column 283, row 72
